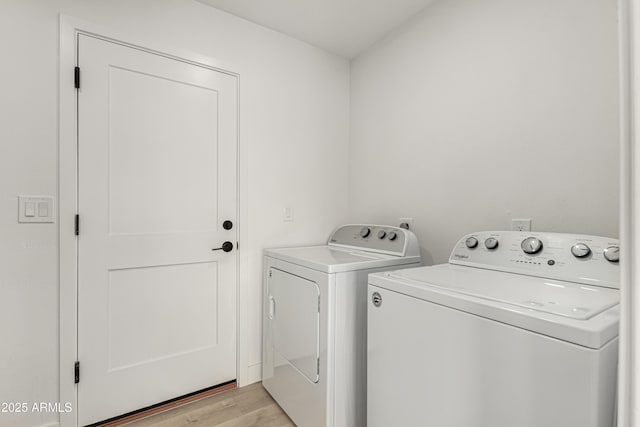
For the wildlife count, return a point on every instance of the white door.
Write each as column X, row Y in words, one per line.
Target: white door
column 157, row 143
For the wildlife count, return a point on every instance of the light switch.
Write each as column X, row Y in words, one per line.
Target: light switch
column 30, row 209
column 35, row 209
column 43, row 209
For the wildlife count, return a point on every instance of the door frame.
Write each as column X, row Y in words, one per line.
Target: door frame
column 628, row 372
column 70, row 28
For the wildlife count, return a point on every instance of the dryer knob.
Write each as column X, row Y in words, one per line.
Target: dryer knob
column 365, row 231
column 612, row 253
column 531, row 245
column 580, row 250
column 392, row 235
column 491, row 243
column 471, row 242
column 376, row 299
column 381, row 234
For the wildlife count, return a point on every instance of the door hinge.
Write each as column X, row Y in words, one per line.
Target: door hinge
column 76, row 373
column 77, row 225
column 270, row 273
column 76, row 77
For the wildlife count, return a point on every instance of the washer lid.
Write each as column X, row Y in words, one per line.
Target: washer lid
column 331, row 259
column 582, row 314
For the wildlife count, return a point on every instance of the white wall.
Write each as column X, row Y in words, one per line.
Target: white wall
column 472, row 114
column 477, row 112
column 294, row 121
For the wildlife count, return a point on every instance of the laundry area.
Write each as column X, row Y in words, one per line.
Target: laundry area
column 321, row 213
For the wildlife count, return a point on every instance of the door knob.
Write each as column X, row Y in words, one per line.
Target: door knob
column 226, row 246
column 227, row 225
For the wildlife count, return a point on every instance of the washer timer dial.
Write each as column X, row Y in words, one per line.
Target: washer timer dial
column 580, row 250
column 531, row 245
column 612, row 253
column 364, row 232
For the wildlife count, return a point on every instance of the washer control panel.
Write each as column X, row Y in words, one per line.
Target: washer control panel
column 591, row 260
column 384, row 239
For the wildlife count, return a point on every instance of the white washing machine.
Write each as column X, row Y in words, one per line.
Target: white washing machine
column 518, row 329
column 315, row 321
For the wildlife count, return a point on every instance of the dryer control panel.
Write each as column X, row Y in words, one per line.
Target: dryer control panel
column 384, row 239
column 591, row 260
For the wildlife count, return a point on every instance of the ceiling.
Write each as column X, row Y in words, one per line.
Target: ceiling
column 344, row 27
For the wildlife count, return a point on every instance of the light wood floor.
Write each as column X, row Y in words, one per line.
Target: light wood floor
column 241, row 407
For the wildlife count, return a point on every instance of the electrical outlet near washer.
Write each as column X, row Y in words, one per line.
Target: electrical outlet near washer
column 521, row 224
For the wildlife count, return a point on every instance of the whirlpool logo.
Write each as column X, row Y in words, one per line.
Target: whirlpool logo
column 459, row 256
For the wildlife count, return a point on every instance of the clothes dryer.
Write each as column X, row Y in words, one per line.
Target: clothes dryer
column 315, row 321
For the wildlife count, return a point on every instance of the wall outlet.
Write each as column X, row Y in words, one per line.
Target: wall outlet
column 521, row 224
column 408, row 221
column 287, row 214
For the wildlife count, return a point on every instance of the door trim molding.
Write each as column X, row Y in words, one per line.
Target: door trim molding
column 628, row 373
column 70, row 28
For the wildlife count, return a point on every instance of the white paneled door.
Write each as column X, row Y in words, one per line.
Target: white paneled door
column 157, row 163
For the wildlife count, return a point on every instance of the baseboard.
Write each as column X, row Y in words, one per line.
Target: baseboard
column 254, row 374
column 56, row 424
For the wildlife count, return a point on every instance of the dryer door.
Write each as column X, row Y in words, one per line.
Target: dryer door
column 294, row 317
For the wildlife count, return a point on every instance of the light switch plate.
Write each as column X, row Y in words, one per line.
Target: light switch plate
column 35, row 209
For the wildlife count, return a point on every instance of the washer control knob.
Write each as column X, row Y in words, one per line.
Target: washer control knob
column 365, row 231
column 491, row 243
column 531, row 245
column 580, row 250
column 381, row 234
column 612, row 253
column 471, row 242
column 392, row 235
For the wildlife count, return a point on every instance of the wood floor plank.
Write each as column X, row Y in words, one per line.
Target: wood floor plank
column 242, row 407
column 268, row 416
